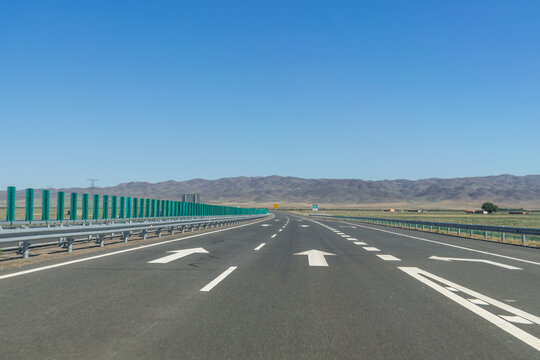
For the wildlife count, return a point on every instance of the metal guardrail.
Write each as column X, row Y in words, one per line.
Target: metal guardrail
column 66, row 235
column 421, row 225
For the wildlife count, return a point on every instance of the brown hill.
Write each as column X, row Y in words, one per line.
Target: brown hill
column 505, row 190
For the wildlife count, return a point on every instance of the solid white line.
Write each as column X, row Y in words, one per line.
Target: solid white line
column 527, row 338
column 273, row 236
column 219, row 279
column 119, row 252
column 259, row 247
column 451, row 245
column 359, row 243
column 371, row 248
column 389, row 258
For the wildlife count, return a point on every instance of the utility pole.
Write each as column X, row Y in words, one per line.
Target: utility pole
column 92, row 183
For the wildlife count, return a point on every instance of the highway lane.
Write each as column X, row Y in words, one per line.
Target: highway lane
column 269, row 303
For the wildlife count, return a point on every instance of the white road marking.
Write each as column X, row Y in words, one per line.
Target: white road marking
column 360, row 243
column 24, row 272
column 454, row 246
column 423, row 276
column 371, row 248
column 347, row 226
column 266, row 225
column 259, row 247
column 340, row 233
column 316, row 257
column 389, row 258
column 220, row 278
column 280, row 230
column 177, row 254
column 345, row 236
column 478, row 302
column 516, row 319
column 476, row 260
column 273, row 236
column 352, row 239
column 304, row 226
column 452, row 289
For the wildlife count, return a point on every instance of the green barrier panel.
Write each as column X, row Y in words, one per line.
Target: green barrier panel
column 10, row 204
column 122, row 214
column 141, row 209
column 105, row 214
column 152, row 207
column 168, row 208
column 135, row 207
column 95, row 207
column 114, row 204
column 60, row 206
column 45, row 205
column 158, row 208
column 85, row 206
column 147, row 208
column 128, row 207
column 29, row 216
column 73, row 207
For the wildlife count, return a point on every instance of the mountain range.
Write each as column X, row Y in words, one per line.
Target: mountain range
column 505, row 190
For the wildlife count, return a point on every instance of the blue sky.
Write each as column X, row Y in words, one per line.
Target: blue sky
column 152, row 91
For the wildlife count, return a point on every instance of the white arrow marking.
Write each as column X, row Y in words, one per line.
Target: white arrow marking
column 316, row 257
column 476, row 260
column 177, row 254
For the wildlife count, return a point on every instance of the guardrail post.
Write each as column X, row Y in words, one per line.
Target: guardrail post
column 29, row 205
column 523, row 239
column 45, row 205
column 95, row 207
column 459, row 232
column 101, row 240
column 471, row 233
column 114, row 207
column 73, row 207
column 85, row 206
column 24, row 249
column 60, row 206
column 10, row 204
column 105, row 206
column 503, row 237
column 70, row 245
column 485, row 234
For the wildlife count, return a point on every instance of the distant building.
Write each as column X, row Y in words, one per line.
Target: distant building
column 389, row 210
column 191, row 198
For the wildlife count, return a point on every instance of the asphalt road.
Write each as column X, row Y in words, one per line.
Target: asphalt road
column 378, row 296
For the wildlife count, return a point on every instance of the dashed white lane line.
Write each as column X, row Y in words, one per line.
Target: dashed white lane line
column 360, row 243
column 273, row 236
column 259, row 247
column 389, row 258
column 450, row 245
column 219, row 279
column 352, row 239
column 345, row 236
column 371, row 248
column 280, row 230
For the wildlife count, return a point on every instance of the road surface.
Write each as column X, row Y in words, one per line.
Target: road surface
column 285, row 288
